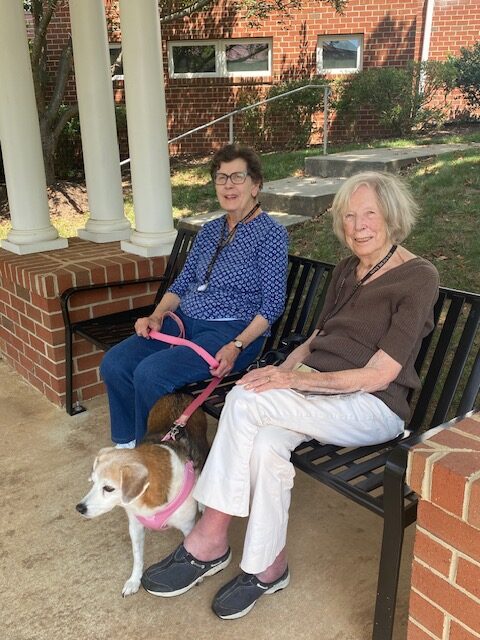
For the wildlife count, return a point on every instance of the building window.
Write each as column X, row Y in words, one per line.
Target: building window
column 339, row 54
column 220, row 58
column 248, row 57
column 194, row 59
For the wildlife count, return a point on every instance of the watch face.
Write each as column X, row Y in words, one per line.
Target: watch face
column 238, row 344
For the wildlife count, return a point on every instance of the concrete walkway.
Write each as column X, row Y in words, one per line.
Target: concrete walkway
column 62, row 575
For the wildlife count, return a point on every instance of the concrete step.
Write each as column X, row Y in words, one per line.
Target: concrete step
column 283, row 218
column 305, row 196
column 347, row 163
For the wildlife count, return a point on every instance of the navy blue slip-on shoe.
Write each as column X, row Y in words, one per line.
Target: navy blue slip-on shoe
column 180, row 571
column 239, row 596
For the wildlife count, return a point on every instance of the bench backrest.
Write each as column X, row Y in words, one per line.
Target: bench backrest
column 448, row 362
column 181, row 247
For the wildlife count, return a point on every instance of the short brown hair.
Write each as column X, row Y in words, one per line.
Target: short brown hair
column 397, row 204
column 233, row 151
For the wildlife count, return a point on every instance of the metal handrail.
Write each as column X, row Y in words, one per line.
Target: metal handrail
column 232, row 114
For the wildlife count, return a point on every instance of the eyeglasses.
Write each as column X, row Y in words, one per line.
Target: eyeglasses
column 238, row 177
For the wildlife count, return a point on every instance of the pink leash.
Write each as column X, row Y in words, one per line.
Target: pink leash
column 160, row 518
column 200, row 399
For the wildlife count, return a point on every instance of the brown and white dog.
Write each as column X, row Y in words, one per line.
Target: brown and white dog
column 145, row 479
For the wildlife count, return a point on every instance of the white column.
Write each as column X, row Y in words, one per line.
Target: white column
column 427, row 34
column 32, row 230
column 101, row 157
column 147, row 129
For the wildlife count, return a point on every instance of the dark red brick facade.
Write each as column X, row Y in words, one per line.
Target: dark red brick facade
column 392, row 33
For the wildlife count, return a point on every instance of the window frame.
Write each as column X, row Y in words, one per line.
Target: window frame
column 220, row 58
column 344, row 36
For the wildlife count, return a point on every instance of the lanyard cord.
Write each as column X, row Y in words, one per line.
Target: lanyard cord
column 357, row 286
column 222, row 243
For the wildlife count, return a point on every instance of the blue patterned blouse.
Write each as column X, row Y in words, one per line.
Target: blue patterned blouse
column 249, row 276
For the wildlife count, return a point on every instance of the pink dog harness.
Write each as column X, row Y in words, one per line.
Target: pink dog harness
column 159, row 519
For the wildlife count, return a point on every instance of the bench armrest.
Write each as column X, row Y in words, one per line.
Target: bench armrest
column 66, row 295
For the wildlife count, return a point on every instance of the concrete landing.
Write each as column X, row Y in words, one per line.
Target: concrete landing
column 348, row 163
column 283, row 218
column 306, row 196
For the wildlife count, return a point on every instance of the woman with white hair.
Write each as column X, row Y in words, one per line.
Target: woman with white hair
column 346, row 385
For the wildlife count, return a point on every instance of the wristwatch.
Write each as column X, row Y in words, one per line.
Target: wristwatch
column 238, row 344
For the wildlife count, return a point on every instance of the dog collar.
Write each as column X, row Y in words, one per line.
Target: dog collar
column 159, row 519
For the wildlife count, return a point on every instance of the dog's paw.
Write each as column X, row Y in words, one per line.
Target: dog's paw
column 130, row 587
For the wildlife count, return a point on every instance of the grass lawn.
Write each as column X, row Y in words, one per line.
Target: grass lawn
column 447, row 189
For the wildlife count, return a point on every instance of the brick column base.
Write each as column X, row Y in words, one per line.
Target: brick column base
column 445, row 592
column 32, row 335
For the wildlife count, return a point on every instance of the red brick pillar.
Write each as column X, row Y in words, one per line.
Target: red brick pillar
column 32, row 333
column 445, row 591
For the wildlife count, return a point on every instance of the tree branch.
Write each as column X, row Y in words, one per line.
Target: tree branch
column 41, row 21
column 66, row 115
column 63, row 72
column 198, row 5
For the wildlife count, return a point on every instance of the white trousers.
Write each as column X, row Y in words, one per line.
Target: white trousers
column 248, row 470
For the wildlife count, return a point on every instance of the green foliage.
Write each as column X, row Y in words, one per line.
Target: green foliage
column 249, row 124
column 468, row 74
column 290, row 119
column 396, row 95
column 68, row 155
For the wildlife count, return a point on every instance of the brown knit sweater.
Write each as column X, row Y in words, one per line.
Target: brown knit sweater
column 394, row 313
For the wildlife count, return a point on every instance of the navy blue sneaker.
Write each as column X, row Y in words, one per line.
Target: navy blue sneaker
column 180, row 571
column 239, row 596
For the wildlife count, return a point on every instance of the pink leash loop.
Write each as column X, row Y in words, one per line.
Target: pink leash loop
column 180, row 340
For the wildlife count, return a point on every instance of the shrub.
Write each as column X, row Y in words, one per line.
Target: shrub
column 290, row 120
column 394, row 95
column 468, row 74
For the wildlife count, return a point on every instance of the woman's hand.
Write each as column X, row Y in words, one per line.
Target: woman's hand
column 226, row 357
column 267, row 378
column 143, row 326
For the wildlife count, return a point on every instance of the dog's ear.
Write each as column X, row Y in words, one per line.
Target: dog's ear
column 100, row 454
column 134, row 481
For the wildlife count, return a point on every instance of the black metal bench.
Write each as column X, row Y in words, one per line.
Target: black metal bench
column 373, row 477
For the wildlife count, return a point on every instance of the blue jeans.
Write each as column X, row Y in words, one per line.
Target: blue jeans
column 137, row 372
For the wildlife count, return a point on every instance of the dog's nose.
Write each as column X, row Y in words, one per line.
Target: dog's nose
column 81, row 508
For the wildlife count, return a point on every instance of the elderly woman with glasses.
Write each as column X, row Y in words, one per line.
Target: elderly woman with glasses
column 230, row 291
column 347, row 385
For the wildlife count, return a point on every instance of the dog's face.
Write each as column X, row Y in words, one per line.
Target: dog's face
column 118, row 479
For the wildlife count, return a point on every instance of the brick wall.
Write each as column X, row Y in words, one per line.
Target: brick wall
column 392, row 32
column 445, row 592
column 32, row 335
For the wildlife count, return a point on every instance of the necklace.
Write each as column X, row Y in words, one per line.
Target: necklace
column 358, row 284
column 222, row 243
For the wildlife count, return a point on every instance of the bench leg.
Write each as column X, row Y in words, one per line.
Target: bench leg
column 392, row 542
column 71, row 409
